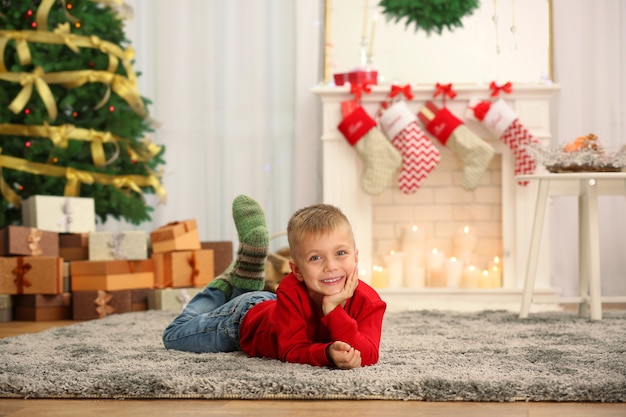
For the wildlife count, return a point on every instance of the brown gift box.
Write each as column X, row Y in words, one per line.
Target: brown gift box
column 41, row 307
column 222, row 255
column 183, row 268
column 175, row 236
column 28, row 241
column 89, row 305
column 74, row 246
column 139, row 299
column 31, row 275
column 111, row 275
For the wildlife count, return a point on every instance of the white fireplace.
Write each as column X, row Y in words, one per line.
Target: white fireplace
column 342, row 170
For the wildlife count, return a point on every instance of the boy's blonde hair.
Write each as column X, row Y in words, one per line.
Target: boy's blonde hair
column 315, row 219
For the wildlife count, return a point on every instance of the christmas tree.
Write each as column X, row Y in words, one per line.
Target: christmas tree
column 72, row 121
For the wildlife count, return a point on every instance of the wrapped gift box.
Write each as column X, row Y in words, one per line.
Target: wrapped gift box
column 28, row 241
column 31, row 275
column 183, row 268
column 89, row 305
column 139, row 299
column 175, row 236
column 6, row 308
column 106, row 246
column 111, row 275
column 222, row 255
column 74, row 246
column 40, row 307
column 172, row 299
column 59, row 214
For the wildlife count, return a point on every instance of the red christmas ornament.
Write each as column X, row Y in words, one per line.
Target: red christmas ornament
column 28, row 13
column 33, row 25
column 26, row 111
column 111, row 109
column 27, row 144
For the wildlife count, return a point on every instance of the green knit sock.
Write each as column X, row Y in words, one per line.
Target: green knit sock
column 247, row 214
column 248, row 269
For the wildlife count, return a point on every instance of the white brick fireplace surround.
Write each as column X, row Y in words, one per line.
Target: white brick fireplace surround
column 499, row 209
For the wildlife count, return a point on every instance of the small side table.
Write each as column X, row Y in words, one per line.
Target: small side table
column 587, row 186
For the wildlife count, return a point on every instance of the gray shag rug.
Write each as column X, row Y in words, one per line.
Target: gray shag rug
column 425, row 355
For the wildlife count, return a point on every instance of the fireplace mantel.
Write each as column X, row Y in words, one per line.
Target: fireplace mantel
column 342, row 168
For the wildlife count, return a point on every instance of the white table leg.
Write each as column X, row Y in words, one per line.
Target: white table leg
column 533, row 254
column 593, row 248
column 583, row 251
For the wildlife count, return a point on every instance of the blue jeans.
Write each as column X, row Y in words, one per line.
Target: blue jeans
column 210, row 322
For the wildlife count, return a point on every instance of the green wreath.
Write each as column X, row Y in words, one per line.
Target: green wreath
column 429, row 15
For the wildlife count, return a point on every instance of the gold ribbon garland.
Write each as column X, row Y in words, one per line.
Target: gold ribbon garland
column 122, row 86
column 76, row 177
column 61, row 134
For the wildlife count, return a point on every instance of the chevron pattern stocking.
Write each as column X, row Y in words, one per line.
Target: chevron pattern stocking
column 419, row 157
column 517, row 137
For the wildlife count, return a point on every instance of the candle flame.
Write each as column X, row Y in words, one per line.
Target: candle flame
column 435, row 251
column 453, row 259
column 496, row 260
column 466, row 229
column 414, row 228
column 485, row 272
column 472, row 268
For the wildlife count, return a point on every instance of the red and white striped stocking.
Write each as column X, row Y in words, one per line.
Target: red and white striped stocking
column 503, row 122
column 419, row 155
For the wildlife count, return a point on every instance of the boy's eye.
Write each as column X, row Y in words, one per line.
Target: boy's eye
column 341, row 252
column 314, row 258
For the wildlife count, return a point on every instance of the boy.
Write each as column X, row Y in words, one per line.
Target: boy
column 321, row 314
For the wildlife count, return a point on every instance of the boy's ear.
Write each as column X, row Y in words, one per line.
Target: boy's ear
column 296, row 271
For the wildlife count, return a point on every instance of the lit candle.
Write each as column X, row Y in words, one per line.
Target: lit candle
column 414, row 276
column 365, row 7
column 465, row 244
column 471, row 277
column 395, row 269
column 379, row 277
column 370, row 53
column 495, row 270
column 454, row 272
column 435, row 274
column 413, row 246
column 484, row 281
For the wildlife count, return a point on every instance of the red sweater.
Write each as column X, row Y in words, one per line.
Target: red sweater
column 292, row 329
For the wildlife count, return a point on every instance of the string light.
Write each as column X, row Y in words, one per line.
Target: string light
column 55, row 160
column 111, row 109
column 77, row 25
column 75, row 114
column 27, row 144
column 26, row 111
column 69, row 6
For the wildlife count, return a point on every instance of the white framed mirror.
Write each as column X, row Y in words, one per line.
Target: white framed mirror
column 502, row 40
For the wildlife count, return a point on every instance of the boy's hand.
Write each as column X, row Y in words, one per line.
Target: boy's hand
column 331, row 301
column 344, row 356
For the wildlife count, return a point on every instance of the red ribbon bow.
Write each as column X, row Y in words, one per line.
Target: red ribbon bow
column 445, row 90
column 357, row 89
column 495, row 89
column 406, row 90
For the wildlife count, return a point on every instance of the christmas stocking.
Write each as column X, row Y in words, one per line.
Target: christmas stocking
column 381, row 159
column 452, row 133
column 419, row 155
column 502, row 121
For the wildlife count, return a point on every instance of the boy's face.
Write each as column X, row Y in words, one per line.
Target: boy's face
column 324, row 261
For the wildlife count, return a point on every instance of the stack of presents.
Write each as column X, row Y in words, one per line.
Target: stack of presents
column 56, row 266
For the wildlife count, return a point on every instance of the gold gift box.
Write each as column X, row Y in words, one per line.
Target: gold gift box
column 111, row 275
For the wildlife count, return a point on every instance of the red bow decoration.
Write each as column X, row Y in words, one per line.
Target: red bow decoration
column 357, row 89
column 406, row 90
column 20, row 271
column 445, row 90
column 495, row 89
